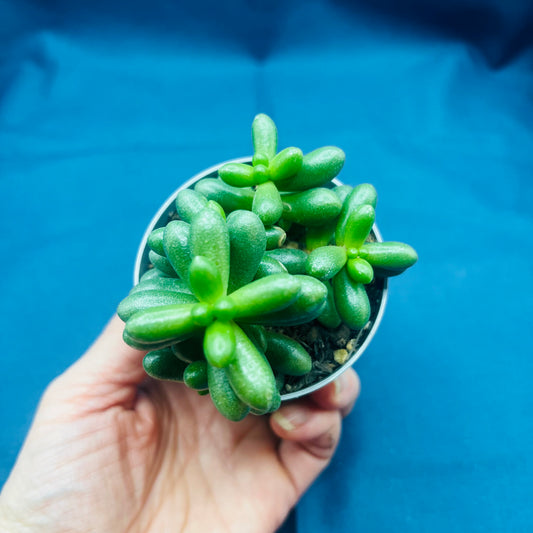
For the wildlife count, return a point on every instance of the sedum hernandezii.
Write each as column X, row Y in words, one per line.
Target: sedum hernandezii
column 267, row 245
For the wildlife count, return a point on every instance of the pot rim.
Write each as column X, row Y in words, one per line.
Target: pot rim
column 162, row 214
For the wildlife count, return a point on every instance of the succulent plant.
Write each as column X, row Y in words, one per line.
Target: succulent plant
column 250, row 256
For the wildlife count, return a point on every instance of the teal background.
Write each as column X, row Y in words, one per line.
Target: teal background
column 107, row 107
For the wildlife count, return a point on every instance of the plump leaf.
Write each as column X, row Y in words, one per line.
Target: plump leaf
column 318, row 168
column 247, row 240
column 265, row 295
column 146, row 346
column 292, row 259
column 155, row 273
column 343, row 191
column 318, row 236
column 237, row 174
column 351, row 301
column 230, row 198
column 161, row 323
column 219, row 343
column 155, row 241
column 251, row 376
column 275, row 237
column 388, row 258
column 205, row 280
column 189, row 203
column 306, row 307
column 190, row 349
column 329, row 317
column 138, row 301
column 324, row 262
column 209, row 238
column 267, row 203
column 161, row 284
column 195, row 375
column 161, row 263
column 314, row 207
column 359, row 270
column 223, row 395
column 286, row 164
column 364, row 194
column 162, row 364
column 264, row 136
column 268, row 267
column 176, row 243
column 286, row 355
column 358, row 226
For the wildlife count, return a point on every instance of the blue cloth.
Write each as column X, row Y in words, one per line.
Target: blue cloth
column 107, row 106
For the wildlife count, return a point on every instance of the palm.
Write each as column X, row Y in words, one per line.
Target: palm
column 109, row 455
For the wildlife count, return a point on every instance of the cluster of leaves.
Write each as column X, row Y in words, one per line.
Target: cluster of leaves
column 267, row 244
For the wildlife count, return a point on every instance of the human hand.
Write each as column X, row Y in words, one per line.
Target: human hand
column 111, row 450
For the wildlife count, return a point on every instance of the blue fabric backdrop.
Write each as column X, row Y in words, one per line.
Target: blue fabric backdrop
column 107, row 106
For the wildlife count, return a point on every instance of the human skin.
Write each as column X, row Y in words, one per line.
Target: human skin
column 113, row 451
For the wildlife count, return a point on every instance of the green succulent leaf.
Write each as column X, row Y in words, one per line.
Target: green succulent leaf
column 292, row 259
column 351, row 301
column 209, row 238
column 388, row 258
column 237, row 174
column 318, row 236
column 202, row 314
column 215, row 206
column 205, row 280
column 161, row 284
column 343, row 191
column 364, row 194
column 260, row 159
column 329, row 317
column 195, row 375
column 223, row 395
column 139, row 301
column 264, row 136
column 247, row 240
column 313, row 207
column 155, row 241
column 251, row 376
column 275, row 237
column 267, row 204
column 265, row 295
column 360, row 271
column 190, row 203
column 308, row 305
column 162, row 323
column 230, row 198
column 358, row 226
column 161, row 263
column 176, row 244
column 257, row 334
column 318, row 168
column 324, row 262
column 146, row 346
column 286, row 164
column 190, row 349
column 286, row 355
column 162, row 364
column 219, row 343
column 268, row 267
column 155, row 273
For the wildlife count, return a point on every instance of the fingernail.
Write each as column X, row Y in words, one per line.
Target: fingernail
column 289, row 420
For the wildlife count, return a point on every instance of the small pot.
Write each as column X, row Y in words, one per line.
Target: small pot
column 162, row 217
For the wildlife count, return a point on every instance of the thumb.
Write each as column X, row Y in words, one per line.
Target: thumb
column 310, row 429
